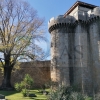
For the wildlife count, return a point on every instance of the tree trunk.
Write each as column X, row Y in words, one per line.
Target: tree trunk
column 6, row 83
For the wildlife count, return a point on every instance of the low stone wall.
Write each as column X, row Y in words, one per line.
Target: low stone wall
column 39, row 71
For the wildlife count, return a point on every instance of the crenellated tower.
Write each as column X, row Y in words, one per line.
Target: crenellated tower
column 75, row 47
column 60, row 28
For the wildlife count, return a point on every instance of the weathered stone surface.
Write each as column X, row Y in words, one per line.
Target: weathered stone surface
column 75, row 50
column 39, row 71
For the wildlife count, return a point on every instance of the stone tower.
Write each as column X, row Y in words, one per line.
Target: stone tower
column 75, row 47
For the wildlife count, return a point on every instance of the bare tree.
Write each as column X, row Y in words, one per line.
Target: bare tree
column 19, row 28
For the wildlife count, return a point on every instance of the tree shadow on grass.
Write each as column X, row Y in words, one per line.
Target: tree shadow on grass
column 38, row 99
column 7, row 93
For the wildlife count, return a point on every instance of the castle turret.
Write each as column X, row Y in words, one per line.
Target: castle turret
column 75, row 47
column 94, row 31
column 59, row 29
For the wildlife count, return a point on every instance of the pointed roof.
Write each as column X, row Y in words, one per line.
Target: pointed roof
column 79, row 3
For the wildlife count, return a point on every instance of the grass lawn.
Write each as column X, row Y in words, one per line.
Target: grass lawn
column 13, row 95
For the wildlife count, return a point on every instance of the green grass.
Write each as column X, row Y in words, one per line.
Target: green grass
column 13, row 95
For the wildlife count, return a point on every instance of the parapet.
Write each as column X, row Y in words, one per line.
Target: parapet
column 94, row 14
column 60, row 20
column 96, row 11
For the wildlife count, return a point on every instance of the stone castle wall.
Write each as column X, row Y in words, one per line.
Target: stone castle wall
column 75, row 50
column 39, row 71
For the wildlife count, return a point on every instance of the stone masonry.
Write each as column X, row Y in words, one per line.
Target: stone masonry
column 38, row 70
column 75, row 47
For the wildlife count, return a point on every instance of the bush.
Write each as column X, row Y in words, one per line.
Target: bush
column 25, row 85
column 17, row 87
column 97, row 96
column 66, row 93
column 24, row 92
column 78, row 96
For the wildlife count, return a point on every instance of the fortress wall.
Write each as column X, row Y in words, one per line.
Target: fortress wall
column 79, row 40
column 78, row 57
column 64, row 55
column 39, row 71
column 82, row 69
column 87, row 71
column 87, row 85
column 94, row 30
column 71, row 52
column 98, row 57
column 53, row 59
column 58, row 28
column 59, row 54
column 83, row 46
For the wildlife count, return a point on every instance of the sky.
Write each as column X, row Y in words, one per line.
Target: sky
column 52, row 8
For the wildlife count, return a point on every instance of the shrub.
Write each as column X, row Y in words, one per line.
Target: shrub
column 18, row 87
column 97, row 96
column 66, row 93
column 24, row 92
column 25, row 85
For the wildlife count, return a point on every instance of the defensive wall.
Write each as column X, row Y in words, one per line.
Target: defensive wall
column 39, row 71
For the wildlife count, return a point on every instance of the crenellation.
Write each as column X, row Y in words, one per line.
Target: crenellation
column 60, row 21
column 77, row 47
column 96, row 11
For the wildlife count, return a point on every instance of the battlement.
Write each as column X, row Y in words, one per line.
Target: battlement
column 96, row 11
column 79, row 13
column 75, row 46
column 60, row 20
column 80, row 4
